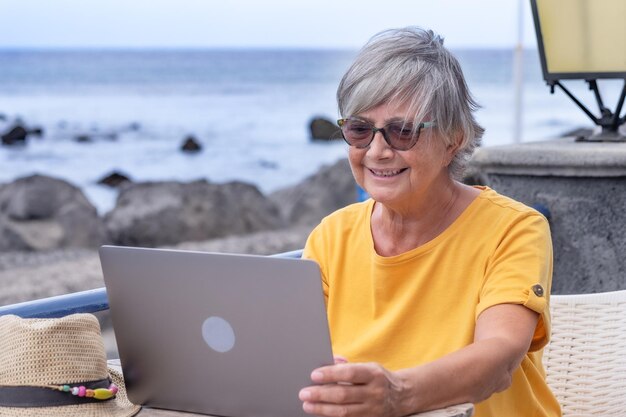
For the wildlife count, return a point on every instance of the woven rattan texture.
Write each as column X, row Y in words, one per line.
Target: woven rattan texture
column 55, row 352
column 586, row 358
column 41, row 351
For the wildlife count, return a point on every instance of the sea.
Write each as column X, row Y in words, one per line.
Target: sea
column 249, row 109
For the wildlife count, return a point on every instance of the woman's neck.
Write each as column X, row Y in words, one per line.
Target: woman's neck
column 398, row 230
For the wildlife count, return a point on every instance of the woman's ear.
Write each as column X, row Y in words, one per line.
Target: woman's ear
column 453, row 148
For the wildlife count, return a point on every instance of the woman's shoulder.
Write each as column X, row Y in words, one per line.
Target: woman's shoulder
column 496, row 212
column 492, row 201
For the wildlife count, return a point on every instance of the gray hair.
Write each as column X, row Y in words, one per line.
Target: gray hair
column 411, row 66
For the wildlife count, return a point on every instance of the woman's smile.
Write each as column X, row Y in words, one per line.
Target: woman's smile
column 386, row 173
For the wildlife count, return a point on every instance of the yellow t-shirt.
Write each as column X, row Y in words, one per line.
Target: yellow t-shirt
column 405, row 310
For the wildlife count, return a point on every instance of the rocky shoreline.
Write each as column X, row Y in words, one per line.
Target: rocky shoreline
column 41, row 213
column 48, row 245
column 73, row 265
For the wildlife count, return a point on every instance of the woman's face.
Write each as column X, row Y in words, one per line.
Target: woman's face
column 398, row 178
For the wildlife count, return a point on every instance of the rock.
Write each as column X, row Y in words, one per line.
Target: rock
column 91, row 137
column 15, row 136
column 324, row 129
column 43, row 213
column 18, row 133
column 114, row 179
column 3, row 117
column 191, row 144
column 36, row 131
column 164, row 213
column 331, row 188
column 83, row 139
column 266, row 242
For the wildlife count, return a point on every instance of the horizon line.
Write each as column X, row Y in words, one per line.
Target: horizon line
column 226, row 48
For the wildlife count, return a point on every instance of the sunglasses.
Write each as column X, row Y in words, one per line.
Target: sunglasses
column 400, row 136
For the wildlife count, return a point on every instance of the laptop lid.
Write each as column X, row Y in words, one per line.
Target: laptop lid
column 222, row 334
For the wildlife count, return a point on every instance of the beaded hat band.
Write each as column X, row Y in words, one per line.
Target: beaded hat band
column 55, row 395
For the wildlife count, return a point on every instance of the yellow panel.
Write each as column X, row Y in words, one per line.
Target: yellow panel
column 584, row 35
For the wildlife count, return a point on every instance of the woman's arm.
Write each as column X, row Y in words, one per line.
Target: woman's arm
column 502, row 337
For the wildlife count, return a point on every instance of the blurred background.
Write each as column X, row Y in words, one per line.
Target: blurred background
column 118, row 86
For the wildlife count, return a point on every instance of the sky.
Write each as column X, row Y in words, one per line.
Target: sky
column 333, row 24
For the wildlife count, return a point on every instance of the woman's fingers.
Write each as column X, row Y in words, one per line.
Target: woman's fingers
column 333, row 393
column 340, row 359
column 360, row 373
column 336, row 410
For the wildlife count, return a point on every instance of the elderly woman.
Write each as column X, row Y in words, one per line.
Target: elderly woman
column 436, row 292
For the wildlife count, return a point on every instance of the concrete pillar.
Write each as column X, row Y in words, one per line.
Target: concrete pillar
column 581, row 187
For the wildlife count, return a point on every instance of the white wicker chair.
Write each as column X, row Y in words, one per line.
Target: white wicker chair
column 586, row 359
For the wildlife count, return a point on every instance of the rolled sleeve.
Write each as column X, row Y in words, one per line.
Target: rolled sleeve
column 520, row 272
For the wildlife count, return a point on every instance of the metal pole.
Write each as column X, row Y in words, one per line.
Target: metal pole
column 518, row 75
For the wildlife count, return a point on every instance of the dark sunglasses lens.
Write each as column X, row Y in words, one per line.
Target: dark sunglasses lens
column 401, row 135
column 357, row 133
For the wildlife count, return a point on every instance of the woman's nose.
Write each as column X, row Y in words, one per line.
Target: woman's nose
column 379, row 145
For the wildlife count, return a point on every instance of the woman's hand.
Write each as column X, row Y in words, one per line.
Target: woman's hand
column 359, row 389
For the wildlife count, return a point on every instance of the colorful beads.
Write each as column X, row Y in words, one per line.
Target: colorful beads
column 102, row 394
column 82, row 391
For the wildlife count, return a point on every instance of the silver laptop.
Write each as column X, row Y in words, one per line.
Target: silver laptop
column 220, row 334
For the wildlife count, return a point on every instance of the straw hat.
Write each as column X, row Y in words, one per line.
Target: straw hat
column 37, row 355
